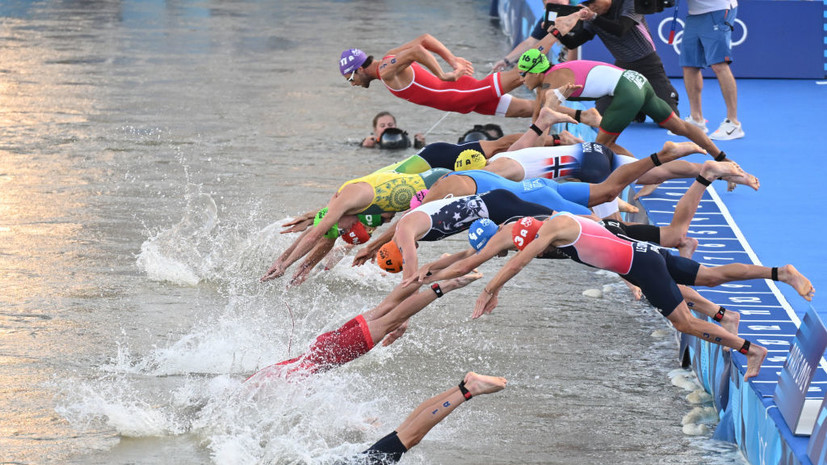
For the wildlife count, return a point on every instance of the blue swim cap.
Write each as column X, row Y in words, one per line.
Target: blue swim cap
column 480, row 232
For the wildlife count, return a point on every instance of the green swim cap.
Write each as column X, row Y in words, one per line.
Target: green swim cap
column 533, row 61
column 371, row 220
column 331, row 233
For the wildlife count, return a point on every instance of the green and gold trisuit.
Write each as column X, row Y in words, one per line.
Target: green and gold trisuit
column 392, row 191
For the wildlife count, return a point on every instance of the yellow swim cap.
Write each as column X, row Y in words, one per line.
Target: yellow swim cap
column 469, row 159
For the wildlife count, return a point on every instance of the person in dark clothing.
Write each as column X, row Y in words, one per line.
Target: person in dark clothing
column 627, row 37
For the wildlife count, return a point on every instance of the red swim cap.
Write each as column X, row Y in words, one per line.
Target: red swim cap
column 389, row 258
column 357, row 234
column 524, row 231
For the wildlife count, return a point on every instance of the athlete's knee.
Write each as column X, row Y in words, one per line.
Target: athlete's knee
column 602, row 194
column 681, row 320
column 709, row 278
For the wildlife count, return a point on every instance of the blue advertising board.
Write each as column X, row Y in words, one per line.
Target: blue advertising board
column 817, row 447
column 798, row 371
column 771, row 39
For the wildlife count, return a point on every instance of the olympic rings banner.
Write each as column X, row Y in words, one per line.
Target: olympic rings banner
column 771, row 39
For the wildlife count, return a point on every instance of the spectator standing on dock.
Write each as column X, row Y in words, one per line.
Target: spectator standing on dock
column 707, row 41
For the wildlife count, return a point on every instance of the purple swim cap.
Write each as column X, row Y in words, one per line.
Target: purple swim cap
column 352, row 58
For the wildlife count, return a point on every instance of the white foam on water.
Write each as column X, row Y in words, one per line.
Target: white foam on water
column 699, row 396
column 177, row 254
column 692, row 429
column 115, row 402
column 165, row 392
column 310, row 421
column 684, row 379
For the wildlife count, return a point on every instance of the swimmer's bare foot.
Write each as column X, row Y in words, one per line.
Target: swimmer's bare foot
column 567, row 138
column 548, row 117
column 460, row 281
column 745, row 179
column 788, row 274
column 626, row 207
column 731, row 321
column 712, row 170
column 482, row 384
column 672, row 151
column 646, row 190
column 755, row 357
column 568, row 89
column 687, row 247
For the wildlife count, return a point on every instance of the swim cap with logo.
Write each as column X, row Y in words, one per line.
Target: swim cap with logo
column 331, row 233
column 524, row 231
column 357, row 234
column 373, row 220
column 533, row 61
column 389, row 258
column 480, row 232
column 352, row 58
column 469, row 159
column 417, row 198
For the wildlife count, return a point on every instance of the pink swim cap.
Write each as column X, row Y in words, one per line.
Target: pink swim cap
column 417, row 198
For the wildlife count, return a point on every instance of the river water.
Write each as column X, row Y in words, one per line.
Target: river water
column 149, row 151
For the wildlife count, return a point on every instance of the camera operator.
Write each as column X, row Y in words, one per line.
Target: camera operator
column 537, row 34
column 626, row 35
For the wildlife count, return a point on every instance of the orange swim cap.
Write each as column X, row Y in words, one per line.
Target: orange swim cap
column 389, row 258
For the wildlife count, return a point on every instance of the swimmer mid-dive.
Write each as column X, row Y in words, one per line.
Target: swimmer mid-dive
column 573, row 197
column 360, row 334
column 653, row 269
column 411, row 72
column 587, row 162
column 380, row 193
column 631, row 93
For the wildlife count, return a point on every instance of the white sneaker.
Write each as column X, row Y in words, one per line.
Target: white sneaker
column 727, row 131
column 688, row 119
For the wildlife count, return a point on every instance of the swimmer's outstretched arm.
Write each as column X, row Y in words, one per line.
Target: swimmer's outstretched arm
column 319, row 252
column 299, row 223
column 443, row 262
column 289, row 250
column 499, row 243
column 350, row 200
column 419, row 50
column 487, row 300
